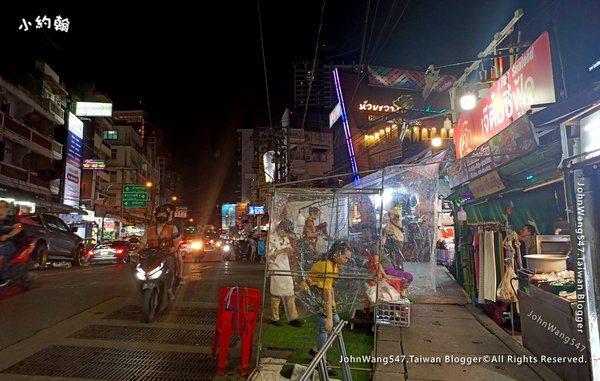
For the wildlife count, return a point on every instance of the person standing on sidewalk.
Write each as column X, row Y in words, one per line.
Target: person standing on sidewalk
column 282, row 286
column 320, row 279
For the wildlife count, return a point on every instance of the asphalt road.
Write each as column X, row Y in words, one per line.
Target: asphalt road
column 74, row 310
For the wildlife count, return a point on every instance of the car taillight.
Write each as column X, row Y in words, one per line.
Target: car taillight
column 119, row 251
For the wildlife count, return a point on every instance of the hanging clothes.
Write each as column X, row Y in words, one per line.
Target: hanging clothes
column 489, row 269
column 481, row 283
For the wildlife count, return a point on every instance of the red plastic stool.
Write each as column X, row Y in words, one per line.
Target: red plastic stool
column 238, row 310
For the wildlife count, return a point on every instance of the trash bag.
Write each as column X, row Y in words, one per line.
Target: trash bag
column 387, row 293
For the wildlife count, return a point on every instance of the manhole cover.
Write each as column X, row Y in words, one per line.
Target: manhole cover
column 116, row 364
column 189, row 315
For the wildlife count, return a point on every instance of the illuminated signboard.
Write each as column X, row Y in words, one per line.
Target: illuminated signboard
column 94, row 164
column 254, row 210
column 335, row 114
column 228, row 219
column 72, row 181
column 529, row 81
column 93, row 109
column 590, row 135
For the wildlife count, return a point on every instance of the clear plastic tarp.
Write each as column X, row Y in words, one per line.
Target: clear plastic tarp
column 388, row 219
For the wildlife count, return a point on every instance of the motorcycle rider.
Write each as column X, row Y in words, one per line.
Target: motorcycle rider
column 11, row 236
column 165, row 235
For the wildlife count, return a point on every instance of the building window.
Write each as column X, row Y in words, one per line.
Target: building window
column 113, row 154
column 110, row 135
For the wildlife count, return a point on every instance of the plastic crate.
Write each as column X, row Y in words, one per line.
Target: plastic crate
column 394, row 313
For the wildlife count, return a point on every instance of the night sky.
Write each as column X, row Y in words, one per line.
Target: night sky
column 200, row 73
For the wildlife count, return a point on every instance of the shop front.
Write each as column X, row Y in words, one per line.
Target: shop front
column 580, row 135
column 519, row 255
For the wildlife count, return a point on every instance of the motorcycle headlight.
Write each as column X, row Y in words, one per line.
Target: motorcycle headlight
column 157, row 272
column 226, row 248
column 140, row 273
column 196, row 245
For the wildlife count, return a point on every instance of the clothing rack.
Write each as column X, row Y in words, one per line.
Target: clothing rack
column 497, row 226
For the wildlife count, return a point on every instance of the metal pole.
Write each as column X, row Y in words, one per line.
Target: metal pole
column 322, row 352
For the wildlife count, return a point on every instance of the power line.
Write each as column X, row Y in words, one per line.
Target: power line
column 262, row 45
column 314, row 68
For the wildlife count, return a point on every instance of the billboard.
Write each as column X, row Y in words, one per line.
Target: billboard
column 93, row 109
column 529, row 81
column 228, row 219
column 72, row 180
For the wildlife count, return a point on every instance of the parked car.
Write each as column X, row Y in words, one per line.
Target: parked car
column 111, row 251
column 54, row 240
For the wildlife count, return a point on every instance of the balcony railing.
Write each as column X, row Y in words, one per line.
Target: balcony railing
column 23, row 177
column 32, row 139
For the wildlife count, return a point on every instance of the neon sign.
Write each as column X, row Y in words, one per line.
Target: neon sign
column 338, row 90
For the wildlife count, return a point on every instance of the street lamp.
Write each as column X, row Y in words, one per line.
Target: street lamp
column 149, row 185
column 173, row 198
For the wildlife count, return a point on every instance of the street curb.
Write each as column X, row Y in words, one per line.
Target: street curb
column 541, row 370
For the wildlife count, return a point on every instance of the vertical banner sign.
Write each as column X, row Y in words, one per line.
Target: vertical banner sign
column 73, row 162
column 529, row 81
column 228, row 216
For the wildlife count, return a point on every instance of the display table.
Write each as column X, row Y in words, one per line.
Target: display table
column 549, row 329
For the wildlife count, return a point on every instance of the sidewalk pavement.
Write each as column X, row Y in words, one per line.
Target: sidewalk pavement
column 446, row 329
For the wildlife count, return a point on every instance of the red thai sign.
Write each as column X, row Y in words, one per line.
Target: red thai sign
column 529, row 81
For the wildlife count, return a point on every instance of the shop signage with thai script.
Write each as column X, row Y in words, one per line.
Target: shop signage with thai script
column 486, row 185
column 511, row 143
column 529, row 81
column 94, row 164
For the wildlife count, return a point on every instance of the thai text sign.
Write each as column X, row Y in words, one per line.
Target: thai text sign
column 486, row 185
column 510, row 144
column 528, row 81
column 134, row 196
column 95, row 164
column 180, row 212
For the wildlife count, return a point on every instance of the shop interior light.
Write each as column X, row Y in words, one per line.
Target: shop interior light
column 447, row 123
column 436, row 142
column 468, row 101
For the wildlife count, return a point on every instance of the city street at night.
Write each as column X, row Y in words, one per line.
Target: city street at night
column 86, row 324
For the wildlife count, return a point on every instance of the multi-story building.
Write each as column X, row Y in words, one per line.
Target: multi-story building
column 154, row 149
column 31, row 107
column 129, row 165
column 264, row 154
column 98, row 134
column 171, row 185
column 248, row 164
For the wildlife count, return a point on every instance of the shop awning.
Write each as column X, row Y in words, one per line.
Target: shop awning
column 552, row 116
column 47, row 206
column 539, row 168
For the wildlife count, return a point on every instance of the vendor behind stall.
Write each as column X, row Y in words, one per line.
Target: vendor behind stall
column 527, row 238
